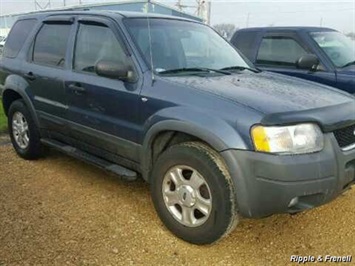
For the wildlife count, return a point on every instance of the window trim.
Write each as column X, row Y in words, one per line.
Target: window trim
column 59, row 20
column 32, row 46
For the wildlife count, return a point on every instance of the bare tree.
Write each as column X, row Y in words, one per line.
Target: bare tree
column 225, row 29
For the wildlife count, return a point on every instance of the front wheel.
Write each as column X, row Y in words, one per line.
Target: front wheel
column 193, row 193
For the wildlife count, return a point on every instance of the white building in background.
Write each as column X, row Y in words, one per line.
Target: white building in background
column 6, row 21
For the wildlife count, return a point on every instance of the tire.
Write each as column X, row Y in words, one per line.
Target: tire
column 191, row 161
column 33, row 149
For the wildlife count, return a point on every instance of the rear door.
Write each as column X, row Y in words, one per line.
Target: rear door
column 103, row 112
column 279, row 52
column 46, row 70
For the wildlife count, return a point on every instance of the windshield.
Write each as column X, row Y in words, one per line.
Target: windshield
column 339, row 48
column 182, row 45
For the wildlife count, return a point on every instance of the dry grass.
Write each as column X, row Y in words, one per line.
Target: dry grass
column 59, row 211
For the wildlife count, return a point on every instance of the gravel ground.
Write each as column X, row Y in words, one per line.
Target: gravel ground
column 59, row 211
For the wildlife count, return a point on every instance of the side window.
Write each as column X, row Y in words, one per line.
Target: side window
column 280, row 51
column 51, row 45
column 244, row 41
column 95, row 43
column 17, row 37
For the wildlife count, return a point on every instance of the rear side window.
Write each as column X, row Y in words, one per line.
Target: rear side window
column 17, row 37
column 244, row 41
column 51, row 45
column 282, row 51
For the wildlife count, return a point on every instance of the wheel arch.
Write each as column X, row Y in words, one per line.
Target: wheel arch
column 171, row 132
column 15, row 89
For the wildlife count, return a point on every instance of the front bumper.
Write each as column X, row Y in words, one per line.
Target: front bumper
column 266, row 184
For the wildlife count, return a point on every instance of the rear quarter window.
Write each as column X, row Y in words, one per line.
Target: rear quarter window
column 245, row 41
column 18, row 36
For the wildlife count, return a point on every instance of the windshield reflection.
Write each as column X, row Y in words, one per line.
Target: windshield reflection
column 178, row 44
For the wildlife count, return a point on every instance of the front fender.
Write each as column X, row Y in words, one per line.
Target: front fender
column 346, row 82
column 209, row 128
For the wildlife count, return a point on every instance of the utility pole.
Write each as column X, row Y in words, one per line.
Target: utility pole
column 209, row 11
column 64, row 2
column 248, row 17
column 202, row 9
column 321, row 22
column 179, row 5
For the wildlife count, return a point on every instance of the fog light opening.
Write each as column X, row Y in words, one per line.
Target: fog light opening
column 293, row 202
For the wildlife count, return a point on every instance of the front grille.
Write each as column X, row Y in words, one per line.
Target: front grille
column 345, row 136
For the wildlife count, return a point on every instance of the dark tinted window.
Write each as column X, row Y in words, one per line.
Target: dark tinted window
column 95, row 43
column 51, row 44
column 18, row 36
column 280, row 51
column 244, row 41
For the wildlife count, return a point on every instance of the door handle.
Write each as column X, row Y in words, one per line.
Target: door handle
column 77, row 89
column 30, row 76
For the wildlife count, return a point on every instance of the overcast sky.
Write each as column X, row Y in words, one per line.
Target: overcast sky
column 335, row 14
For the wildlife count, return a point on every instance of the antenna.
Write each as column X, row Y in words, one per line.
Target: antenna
column 150, row 45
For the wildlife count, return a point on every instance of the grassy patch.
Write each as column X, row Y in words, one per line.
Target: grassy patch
column 3, row 119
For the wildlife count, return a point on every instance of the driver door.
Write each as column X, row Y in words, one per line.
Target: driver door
column 103, row 112
column 278, row 52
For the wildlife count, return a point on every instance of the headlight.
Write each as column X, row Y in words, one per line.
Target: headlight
column 302, row 138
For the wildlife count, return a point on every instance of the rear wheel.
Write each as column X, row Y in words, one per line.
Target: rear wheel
column 24, row 134
column 193, row 193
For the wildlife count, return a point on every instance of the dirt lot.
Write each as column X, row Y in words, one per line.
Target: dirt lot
column 58, row 211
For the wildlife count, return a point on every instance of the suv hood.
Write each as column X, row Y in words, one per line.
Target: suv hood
column 271, row 94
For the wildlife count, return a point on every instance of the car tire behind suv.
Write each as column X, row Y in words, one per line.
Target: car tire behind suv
column 193, row 193
column 24, row 134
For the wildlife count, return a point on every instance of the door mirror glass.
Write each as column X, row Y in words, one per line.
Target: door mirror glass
column 309, row 62
column 114, row 70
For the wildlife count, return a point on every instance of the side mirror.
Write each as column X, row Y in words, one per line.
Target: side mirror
column 114, row 70
column 308, row 61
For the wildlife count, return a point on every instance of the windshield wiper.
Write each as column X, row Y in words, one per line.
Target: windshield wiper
column 348, row 64
column 194, row 69
column 255, row 70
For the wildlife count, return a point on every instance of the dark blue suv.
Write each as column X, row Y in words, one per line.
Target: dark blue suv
column 318, row 54
column 170, row 100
